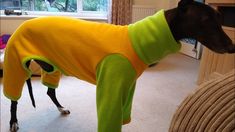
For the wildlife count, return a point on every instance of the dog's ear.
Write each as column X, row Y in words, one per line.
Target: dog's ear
column 183, row 3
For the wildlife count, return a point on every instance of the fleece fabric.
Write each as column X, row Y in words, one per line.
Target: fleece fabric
column 74, row 47
column 110, row 56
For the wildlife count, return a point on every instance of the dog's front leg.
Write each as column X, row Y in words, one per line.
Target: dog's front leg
column 51, row 93
column 115, row 87
column 13, row 122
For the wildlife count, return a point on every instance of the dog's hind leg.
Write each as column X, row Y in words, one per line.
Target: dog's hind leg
column 14, row 122
column 51, row 91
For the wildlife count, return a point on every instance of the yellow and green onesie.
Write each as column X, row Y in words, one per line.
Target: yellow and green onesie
column 111, row 57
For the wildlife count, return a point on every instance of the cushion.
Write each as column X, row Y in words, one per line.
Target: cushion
column 210, row 108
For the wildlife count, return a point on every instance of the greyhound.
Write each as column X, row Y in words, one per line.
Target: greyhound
column 189, row 20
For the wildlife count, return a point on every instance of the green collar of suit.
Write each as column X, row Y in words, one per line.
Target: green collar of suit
column 152, row 38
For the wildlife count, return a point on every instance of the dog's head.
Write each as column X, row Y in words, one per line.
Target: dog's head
column 203, row 23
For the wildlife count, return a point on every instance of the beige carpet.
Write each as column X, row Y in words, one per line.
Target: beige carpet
column 159, row 91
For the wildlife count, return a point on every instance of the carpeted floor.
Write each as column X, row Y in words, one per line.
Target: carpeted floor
column 158, row 93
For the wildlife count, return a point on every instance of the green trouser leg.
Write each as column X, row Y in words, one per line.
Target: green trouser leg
column 115, row 82
column 128, row 105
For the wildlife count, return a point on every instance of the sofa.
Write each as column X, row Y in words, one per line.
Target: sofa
column 210, row 108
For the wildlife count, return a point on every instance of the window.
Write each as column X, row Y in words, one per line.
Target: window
column 97, row 7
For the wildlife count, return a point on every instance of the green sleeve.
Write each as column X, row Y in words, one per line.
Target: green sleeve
column 115, row 87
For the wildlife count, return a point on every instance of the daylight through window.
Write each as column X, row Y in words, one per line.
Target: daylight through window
column 71, row 6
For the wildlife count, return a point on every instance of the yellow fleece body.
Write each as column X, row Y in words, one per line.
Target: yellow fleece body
column 51, row 80
column 74, row 47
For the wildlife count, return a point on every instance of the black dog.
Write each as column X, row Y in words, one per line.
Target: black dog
column 189, row 20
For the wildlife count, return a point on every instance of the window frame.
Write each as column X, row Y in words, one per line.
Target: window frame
column 89, row 15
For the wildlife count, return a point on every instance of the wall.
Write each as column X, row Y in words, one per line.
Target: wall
column 8, row 25
column 159, row 4
column 162, row 4
column 173, row 3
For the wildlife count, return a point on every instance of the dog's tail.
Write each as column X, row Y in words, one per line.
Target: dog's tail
column 31, row 92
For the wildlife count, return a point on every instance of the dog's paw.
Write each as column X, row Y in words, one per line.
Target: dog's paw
column 14, row 127
column 63, row 111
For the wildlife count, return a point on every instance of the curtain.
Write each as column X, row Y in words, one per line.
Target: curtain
column 121, row 12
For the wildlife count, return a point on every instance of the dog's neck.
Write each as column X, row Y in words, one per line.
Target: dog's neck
column 172, row 20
